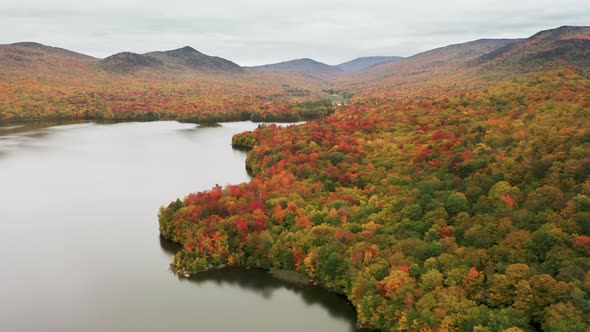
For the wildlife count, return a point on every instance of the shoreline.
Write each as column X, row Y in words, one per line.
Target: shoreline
column 283, row 275
column 205, row 120
column 292, row 277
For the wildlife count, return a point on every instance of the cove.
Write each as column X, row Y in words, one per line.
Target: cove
column 79, row 238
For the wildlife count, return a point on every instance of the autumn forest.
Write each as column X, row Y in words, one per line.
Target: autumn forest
column 446, row 191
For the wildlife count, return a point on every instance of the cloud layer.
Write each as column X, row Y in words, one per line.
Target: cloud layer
column 263, row 31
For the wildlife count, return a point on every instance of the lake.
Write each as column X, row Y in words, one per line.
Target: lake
column 79, row 238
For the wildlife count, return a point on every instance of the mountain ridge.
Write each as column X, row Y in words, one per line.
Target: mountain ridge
column 365, row 62
column 316, row 68
column 126, row 62
column 47, row 48
column 565, row 45
column 189, row 57
column 543, row 48
column 304, row 65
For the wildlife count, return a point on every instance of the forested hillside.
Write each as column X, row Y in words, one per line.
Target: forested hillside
column 307, row 66
column 453, row 212
column 40, row 82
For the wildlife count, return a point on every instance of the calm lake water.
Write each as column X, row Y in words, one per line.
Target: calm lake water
column 79, row 239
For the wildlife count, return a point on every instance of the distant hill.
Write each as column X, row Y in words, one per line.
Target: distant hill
column 483, row 59
column 443, row 57
column 564, row 45
column 441, row 67
column 28, row 53
column 319, row 69
column 307, row 66
column 32, row 55
column 127, row 62
column 32, row 50
column 191, row 58
column 359, row 64
column 20, row 60
column 423, row 66
column 34, row 73
column 43, row 82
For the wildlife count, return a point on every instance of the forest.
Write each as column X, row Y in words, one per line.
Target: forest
column 449, row 191
column 451, row 212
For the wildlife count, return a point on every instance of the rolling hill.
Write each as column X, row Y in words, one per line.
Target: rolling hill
column 35, row 55
column 20, row 60
column 564, row 45
column 476, row 62
column 436, row 60
column 307, row 66
column 362, row 63
column 319, row 69
column 188, row 57
column 127, row 62
column 29, row 52
column 46, row 82
column 42, row 82
column 437, row 68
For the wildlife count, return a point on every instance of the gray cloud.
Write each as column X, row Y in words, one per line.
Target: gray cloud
column 262, row 31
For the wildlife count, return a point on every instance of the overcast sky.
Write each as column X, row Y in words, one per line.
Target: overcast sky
column 253, row 32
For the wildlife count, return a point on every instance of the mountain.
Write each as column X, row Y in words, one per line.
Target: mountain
column 37, row 80
column 25, row 51
column 443, row 57
column 316, row 68
column 30, row 61
column 42, row 82
column 307, row 66
column 362, row 63
column 449, row 60
column 127, row 62
column 193, row 59
column 566, row 44
column 35, row 55
column 32, row 55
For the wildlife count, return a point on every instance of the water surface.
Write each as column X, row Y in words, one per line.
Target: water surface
column 79, row 241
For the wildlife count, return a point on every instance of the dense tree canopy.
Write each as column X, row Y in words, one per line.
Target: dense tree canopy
column 454, row 211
